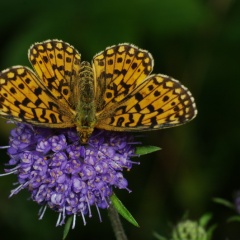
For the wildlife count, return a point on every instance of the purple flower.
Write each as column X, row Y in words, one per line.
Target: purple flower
column 64, row 175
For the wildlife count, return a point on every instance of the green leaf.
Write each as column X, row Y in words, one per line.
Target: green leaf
column 158, row 237
column 146, row 149
column 224, row 202
column 204, row 220
column 67, row 227
column 235, row 218
column 210, row 231
column 121, row 209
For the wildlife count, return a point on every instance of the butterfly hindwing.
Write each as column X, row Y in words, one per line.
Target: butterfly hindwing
column 158, row 102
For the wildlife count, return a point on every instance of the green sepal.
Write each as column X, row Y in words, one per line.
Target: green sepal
column 67, row 227
column 141, row 150
column 122, row 210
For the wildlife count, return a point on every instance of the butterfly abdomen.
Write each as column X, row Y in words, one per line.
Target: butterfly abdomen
column 86, row 109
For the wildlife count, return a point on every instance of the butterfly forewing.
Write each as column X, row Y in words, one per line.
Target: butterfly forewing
column 118, row 70
column 58, row 66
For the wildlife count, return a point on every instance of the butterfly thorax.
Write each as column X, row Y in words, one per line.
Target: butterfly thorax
column 86, row 110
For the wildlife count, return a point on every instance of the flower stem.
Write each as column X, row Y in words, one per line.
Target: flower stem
column 116, row 224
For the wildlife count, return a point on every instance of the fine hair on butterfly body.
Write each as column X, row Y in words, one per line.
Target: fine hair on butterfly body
column 114, row 92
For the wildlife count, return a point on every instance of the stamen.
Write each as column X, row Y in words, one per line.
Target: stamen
column 59, row 219
column 134, row 155
column 18, row 189
column 129, row 190
column 42, row 212
column 132, row 162
column 134, row 143
column 74, row 221
column 63, row 215
column 99, row 214
column 89, row 208
column 7, row 173
column 12, row 169
column 4, row 147
column 84, row 220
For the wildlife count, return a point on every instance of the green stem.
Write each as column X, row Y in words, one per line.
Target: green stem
column 116, row 224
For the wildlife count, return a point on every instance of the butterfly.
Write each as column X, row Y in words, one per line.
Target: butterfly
column 114, row 92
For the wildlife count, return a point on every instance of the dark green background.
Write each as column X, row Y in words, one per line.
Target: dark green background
column 197, row 42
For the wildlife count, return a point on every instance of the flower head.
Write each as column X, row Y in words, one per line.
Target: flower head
column 64, row 175
column 189, row 230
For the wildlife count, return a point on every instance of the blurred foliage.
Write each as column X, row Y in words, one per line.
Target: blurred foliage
column 196, row 41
